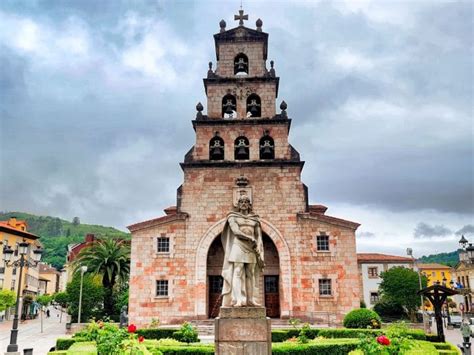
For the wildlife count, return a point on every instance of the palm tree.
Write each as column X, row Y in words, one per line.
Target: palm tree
column 109, row 258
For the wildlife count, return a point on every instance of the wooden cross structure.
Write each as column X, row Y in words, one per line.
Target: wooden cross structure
column 241, row 17
column 437, row 295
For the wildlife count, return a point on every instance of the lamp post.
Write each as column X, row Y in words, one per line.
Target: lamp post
column 83, row 270
column 423, row 313
column 19, row 263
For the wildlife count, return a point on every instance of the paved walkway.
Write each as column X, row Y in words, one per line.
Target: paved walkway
column 30, row 336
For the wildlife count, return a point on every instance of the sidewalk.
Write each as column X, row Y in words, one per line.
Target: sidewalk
column 30, row 336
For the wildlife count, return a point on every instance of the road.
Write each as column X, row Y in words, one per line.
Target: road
column 30, row 336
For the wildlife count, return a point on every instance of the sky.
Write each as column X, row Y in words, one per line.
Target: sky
column 97, row 98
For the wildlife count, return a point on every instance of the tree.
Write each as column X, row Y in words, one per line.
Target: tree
column 109, row 258
column 400, row 286
column 62, row 299
column 44, row 300
column 7, row 299
column 92, row 291
column 76, row 221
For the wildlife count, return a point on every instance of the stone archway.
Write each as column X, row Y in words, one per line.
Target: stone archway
column 201, row 266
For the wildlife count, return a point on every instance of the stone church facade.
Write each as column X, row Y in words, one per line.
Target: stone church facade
column 242, row 148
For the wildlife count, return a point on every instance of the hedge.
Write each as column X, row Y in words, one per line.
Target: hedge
column 280, row 335
column 65, row 343
column 186, row 349
column 157, row 333
column 315, row 348
column 362, row 318
column 83, row 348
column 59, row 352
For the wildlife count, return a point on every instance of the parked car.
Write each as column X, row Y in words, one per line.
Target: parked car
column 456, row 321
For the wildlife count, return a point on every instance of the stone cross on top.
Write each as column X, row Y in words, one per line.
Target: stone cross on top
column 241, row 17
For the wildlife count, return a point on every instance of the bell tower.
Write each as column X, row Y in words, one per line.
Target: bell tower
column 241, row 125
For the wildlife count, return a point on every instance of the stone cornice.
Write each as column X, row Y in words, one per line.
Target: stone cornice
column 242, row 80
column 245, row 121
column 180, row 216
column 329, row 219
column 240, row 164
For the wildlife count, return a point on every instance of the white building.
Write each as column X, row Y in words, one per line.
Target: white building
column 370, row 267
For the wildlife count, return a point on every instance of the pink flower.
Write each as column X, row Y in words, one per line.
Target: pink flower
column 383, row 340
column 132, row 328
column 141, row 338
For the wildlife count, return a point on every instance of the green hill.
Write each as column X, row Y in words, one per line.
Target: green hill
column 56, row 234
column 450, row 259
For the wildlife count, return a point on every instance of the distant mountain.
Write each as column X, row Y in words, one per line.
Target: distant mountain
column 450, row 259
column 55, row 234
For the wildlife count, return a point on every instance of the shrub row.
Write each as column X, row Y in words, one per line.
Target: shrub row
column 157, row 333
column 65, row 343
column 187, row 349
column 314, row 348
column 280, row 335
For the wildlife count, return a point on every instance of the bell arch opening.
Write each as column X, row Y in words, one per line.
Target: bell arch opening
column 269, row 282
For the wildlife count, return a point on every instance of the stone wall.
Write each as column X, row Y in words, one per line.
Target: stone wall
column 228, row 52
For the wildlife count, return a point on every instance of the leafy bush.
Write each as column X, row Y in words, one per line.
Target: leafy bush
column 186, row 334
column 362, row 318
column 387, row 308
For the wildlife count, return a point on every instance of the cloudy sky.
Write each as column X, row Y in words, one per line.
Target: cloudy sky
column 96, row 99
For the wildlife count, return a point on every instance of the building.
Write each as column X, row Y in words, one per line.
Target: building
column 436, row 273
column 463, row 274
column 242, row 147
column 12, row 232
column 72, row 252
column 370, row 267
column 48, row 279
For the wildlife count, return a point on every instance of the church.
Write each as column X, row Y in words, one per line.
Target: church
column 242, row 148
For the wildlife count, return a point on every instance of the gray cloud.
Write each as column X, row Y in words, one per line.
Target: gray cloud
column 104, row 92
column 467, row 230
column 423, row 230
column 365, row 235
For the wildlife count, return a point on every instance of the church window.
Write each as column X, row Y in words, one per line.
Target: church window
column 216, row 148
column 161, row 288
column 241, row 148
column 254, row 106
column 373, row 272
column 229, row 106
column 163, row 245
column 374, row 297
column 215, row 284
column 322, row 243
column 267, row 148
column 325, row 288
column 241, row 64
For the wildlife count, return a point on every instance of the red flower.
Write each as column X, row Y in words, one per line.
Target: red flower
column 383, row 340
column 132, row 328
column 141, row 338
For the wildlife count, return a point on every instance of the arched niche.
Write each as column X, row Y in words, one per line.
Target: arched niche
column 229, row 106
column 241, row 148
column 267, row 147
column 241, row 64
column 216, row 148
column 254, row 106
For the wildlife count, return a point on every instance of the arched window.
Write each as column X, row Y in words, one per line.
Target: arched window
column 241, row 148
column 241, row 64
column 229, row 106
column 254, row 107
column 267, row 148
column 216, row 148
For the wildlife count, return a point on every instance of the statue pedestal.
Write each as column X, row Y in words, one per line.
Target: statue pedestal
column 243, row 331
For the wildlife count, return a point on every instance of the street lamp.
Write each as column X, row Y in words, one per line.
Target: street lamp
column 83, row 270
column 425, row 320
column 19, row 263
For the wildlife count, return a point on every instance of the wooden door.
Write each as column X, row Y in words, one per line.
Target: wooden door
column 215, row 291
column 272, row 296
